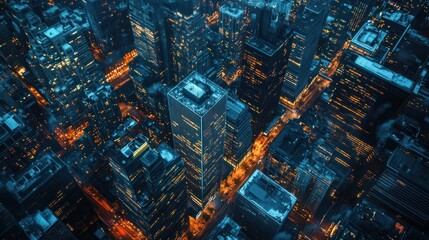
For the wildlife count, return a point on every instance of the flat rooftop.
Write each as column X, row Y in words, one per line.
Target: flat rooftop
column 411, row 164
column 167, row 153
column 37, row 224
column 401, row 18
column 268, row 196
column 124, row 128
column 197, row 93
column 369, row 38
column 35, row 176
column 135, row 147
column 235, row 108
column 262, row 46
column 232, row 10
column 385, row 73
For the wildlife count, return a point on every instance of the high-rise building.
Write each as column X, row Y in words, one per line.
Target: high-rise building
column 313, row 181
column 238, row 139
column 262, row 206
column 150, row 39
column 150, row 185
column 107, row 29
column 396, row 24
column 402, row 187
column 152, row 97
column 61, row 60
column 307, row 31
column 188, row 44
column 264, row 68
column 47, row 182
column 366, row 95
column 197, row 109
column 370, row 41
column 18, row 142
column 44, row 225
column 103, row 112
column 337, row 31
column 231, row 27
column 360, row 13
column 11, row 52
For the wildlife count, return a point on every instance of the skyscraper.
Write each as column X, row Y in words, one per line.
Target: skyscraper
column 313, row 180
column 49, row 183
column 150, row 185
column 307, row 30
column 197, row 109
column 188, row 43
column 366, row 95
column 231, row 27
column 148, row 25
column 264, row 68
column 238, row 131
column 61, row 60
column 262, row 206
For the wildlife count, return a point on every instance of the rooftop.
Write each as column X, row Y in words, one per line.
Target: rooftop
column 123, row 129
column 231, row 10
column 268, row 196
column 369, row 38
column 226, row 229
column 262, row 46
column 135, row 147
column 167, row 153
column 197, row 93
column 401, row 18
column 410, row 164
column 36, row 225
column 35, row 176
column 9, row 124
column 385, row 73
column 235, row 108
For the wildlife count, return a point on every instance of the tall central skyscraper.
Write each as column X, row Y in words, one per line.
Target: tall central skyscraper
column 197, row 111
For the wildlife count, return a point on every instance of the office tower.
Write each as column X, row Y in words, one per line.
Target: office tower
column 337, row 28
column 103, row 110
column 188, row 43
column 360, row 13
column 307, row 30
column 152, row 96
column 197, row 109
column 150, row 185
column 11, row 52
column 238, row 131
column 264, row 68
column 231, row 27
column 19, row 142
column 313, row 181
column 370, row 41
column 150, row 37
column 409, row 55
column 44, row 225
column 103, row 19
column 366, row 95
column 402, row 187
column 262, row 206
column 286, row 153
column 48, row 183
column 396, row 24
column 62, row 62
column 369, row 220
